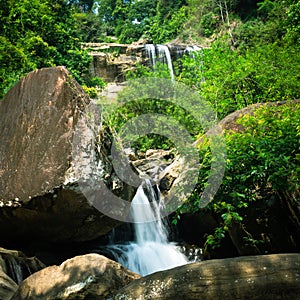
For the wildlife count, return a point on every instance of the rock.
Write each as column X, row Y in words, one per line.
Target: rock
column 17, row 266
column 39, row 198
column 90, row 276
column 7, row 286
column 265, row 277
column 37, row 117
column 111, row 61
column 153, row 163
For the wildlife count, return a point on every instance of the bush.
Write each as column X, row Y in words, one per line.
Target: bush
column 265, row 156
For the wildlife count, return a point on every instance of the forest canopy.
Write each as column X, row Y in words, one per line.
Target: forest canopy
column 250, row 54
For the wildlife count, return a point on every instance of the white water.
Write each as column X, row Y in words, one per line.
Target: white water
column 164, row 54
column 151, row 251
column 150, row 50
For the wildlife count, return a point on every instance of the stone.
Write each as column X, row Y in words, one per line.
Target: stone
column 89, row 276
column 265, row 277
column 17, row 265
column 153, row 163
column 7, row 286
column 40, row 199
column 37, row 117
column 111, row 61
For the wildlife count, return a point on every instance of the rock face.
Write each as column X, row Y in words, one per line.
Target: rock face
column 111, row 61
column 90, row 276
column 7, row 286
column 17, row 266
column 38, row 118
column 266, row 277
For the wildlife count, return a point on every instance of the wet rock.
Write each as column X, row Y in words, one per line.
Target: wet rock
column 265, row 277
column 90, row 276
column 17, row 266
column 7, row 286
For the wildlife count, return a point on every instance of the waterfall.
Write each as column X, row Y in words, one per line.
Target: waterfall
column 162, row 54
column 150, row 51
column 150, row 252
column 165, row 56
column 189, row 50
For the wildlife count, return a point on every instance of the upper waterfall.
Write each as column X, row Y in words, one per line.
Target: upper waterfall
column 165, row 57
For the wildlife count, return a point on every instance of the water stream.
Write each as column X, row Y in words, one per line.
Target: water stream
column 150, row 251
column 165, row 56
column 150, row 51
column 162, row 54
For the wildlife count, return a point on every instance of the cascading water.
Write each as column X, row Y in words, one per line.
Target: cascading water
column 165, row 56
column 151, row 251
column 150, row 51
column 162, row 54
column 190, row 50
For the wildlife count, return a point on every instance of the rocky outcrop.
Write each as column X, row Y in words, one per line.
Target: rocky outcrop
column 7, row 286
column 37, row 118
column 17, row 266
column 38, row 198
column 111, row 61
column 90, row 276
column 265, row 277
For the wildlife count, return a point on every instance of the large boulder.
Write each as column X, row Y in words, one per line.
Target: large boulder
column 38, row 200
column 266, row 277
column 90, row 276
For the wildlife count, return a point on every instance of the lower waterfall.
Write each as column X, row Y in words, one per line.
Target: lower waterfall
column 150, row 251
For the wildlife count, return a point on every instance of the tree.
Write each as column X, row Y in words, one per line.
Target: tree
column 82, row 5
column 38, row 33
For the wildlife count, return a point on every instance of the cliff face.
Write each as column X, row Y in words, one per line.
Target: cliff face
column 111, row 61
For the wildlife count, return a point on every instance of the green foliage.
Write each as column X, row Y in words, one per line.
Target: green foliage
column 231, row 80
column 90, row 28
column 90, row 91
column 166, row 29
column 36, row 34
column 209, row 23
column 158, row 71
column 292, row 23
column 97, row 82
column 265, row 156
column 93, row 85
column 129, row 110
